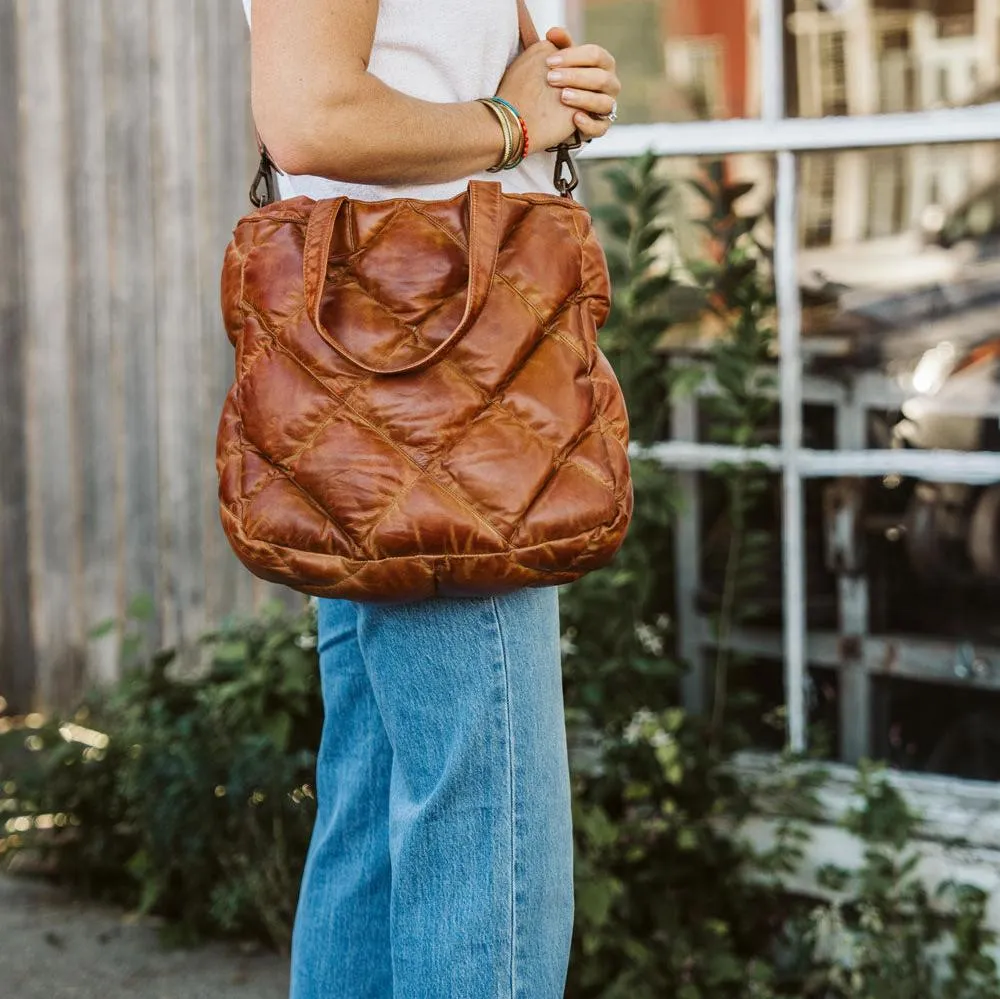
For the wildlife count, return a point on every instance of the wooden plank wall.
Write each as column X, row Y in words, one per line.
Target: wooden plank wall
column 131, row 156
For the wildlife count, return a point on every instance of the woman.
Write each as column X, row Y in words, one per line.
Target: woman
column 441, row 862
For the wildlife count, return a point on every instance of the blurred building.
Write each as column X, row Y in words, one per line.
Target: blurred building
column 855, row 57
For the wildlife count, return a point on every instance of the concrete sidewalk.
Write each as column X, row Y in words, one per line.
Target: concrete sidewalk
column 55, row 947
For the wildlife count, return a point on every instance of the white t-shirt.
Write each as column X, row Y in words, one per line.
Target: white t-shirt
column 448, row 51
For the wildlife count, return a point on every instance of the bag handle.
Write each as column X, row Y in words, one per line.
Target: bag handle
column 485, row 217
column 526, row 25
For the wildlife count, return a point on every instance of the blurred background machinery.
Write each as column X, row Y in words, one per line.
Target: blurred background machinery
column 902, row 574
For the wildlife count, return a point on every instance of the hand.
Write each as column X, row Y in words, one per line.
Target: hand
column 548, row 118
column 586, row 80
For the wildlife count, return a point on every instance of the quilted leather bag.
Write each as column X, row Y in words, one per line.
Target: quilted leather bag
column 420, row 406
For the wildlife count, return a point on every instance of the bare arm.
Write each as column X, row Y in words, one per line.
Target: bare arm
column 321, row 112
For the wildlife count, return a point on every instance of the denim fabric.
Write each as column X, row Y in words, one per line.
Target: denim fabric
column 441, row 862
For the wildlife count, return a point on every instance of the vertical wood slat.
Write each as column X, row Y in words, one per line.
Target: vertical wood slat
column 45, row 206
column 225, row 165
column 182, row 464
column 17, row 653
column 133, row 299
column 93, row 348
column 220, row 599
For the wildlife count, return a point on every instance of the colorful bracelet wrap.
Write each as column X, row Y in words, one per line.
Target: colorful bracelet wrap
column 522, row 124
column 515, row 132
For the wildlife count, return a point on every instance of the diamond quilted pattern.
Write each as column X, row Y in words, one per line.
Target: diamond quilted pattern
column 355, row 491
column 396, row 273
column 499, row 462
column 483, row 458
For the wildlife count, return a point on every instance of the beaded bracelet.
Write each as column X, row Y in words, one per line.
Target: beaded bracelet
column 520, row 120
column 505, row 128
column 515, row 132
column 517, row 135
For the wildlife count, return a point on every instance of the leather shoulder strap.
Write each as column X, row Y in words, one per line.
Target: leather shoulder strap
column 525, row 25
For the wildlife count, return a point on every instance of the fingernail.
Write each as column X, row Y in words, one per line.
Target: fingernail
column 554, row 60
column 568, row 95
column 555, row 77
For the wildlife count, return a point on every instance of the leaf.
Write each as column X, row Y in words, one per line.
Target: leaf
column 232, row 653
column 652, row 287
column 706, row 192
column 732, row 193
column 623, row 184
column 103, row 629
column 279, row 730
column 615, row 219
column 647, row 236
column 618, row 266
column 141, row 608
column 594, row 899
column 646, row 164
column 650, row 327
column 597, row 828
column 651, row 197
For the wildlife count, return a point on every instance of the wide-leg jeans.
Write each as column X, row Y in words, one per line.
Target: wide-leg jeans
column 441, row 864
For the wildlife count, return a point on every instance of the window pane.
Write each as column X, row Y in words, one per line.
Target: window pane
column 952, row 729
column 900, row 273
column 902, row 607
column 678, row 61
column 899, row 268
column 877, row 56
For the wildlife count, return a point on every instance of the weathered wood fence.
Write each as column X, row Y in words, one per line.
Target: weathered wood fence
column 125, row 156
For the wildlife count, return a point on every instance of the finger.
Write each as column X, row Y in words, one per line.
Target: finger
column 590, row 127
column 559, row 37
column 587, row 100
column 601, row 81
column 583, row 55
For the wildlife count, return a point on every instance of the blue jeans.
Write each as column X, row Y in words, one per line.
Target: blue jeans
column 441, row 864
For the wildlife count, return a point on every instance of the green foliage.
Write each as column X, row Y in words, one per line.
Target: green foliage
column 186, row 797
column 192, row 797
column 634, row 228
column 671, row 901
column 885, row 935
column 663, row 906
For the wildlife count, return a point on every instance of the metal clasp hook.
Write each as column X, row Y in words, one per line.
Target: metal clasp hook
column 264, row 176
column 566, row 178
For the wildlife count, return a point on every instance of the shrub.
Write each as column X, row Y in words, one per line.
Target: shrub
column 191, row 798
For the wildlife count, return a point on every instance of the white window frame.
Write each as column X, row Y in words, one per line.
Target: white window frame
column 783, row 137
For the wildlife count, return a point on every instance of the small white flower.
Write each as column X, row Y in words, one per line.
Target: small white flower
column 640, row 721
column 649, row 639
column 566, row 644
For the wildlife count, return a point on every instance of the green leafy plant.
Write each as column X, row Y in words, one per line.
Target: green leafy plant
column 887, row 935
column 634, row 225
column 735, row 280
column 189, row 797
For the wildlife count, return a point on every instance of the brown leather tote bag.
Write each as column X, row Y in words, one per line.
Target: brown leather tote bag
column 419, row 405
